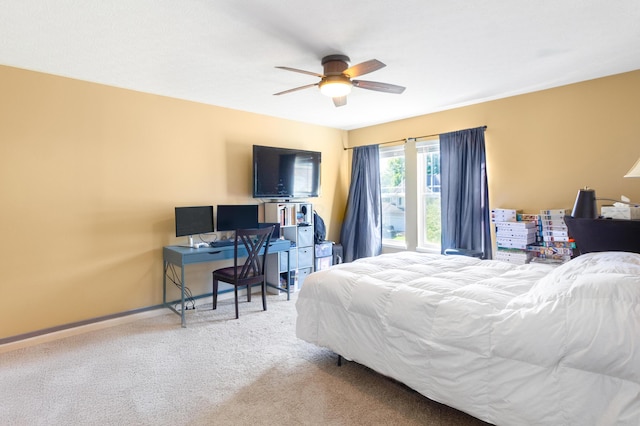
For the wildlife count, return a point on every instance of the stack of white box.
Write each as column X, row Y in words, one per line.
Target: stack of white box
column 554, row 227
column 512, row 236
column 504, row 215
column 621, row 212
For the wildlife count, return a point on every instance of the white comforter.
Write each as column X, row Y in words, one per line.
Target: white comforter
column 511, row 345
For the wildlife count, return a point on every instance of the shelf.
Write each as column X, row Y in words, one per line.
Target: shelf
column 296, row 225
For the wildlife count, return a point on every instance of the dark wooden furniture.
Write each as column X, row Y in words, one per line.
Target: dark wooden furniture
column 593, row 235
column 252, row 270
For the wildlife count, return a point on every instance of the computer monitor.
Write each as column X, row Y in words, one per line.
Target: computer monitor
column 193, row 221
column 238, row 216
column 276, row 229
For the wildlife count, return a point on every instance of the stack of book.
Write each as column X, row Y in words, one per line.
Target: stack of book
column 555, row 244
column 535, row 218
column 504, row 215
column 513, row 236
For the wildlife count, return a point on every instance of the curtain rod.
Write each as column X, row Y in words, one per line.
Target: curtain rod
column 407, row 139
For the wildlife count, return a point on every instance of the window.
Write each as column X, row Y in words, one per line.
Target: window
column 428, row 154
column 410, row 183
column 392, row 179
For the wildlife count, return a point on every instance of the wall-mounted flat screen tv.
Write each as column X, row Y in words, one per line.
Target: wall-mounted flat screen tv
column 282, row 173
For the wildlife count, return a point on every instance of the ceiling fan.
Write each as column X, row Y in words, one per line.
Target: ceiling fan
column 336, row 82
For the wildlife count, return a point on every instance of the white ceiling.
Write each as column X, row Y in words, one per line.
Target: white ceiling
column 447, row 53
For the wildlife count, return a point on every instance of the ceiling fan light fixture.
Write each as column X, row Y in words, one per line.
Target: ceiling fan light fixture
column 335, row 81
column 335, row 88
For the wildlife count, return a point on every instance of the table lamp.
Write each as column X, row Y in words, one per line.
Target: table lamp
column 585, row 205
column 635, row 170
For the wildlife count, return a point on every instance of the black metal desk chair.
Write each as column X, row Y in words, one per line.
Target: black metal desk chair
column 252, row 271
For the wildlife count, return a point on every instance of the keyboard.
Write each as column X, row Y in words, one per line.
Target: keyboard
column 223, row 243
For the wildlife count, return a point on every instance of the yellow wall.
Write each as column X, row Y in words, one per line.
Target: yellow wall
column 89, row 178
column 542, row 147
column 90, row 174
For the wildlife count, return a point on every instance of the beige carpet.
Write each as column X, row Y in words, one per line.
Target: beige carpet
column 217, row 371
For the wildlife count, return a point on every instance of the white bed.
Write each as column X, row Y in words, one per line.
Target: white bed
column 511, row 345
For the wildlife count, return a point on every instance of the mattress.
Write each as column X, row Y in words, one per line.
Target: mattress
column 528, row 344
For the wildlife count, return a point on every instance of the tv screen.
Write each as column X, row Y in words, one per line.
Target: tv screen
column 239, row 216
column 283, row 173
column 194, row 220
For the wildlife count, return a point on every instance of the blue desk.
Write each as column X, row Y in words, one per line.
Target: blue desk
column 181, row 256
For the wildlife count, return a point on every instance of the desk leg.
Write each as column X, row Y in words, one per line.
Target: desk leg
column 182, row 292
column 182, row 285
column 164, row 283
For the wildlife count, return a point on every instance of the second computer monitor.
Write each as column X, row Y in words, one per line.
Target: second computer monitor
column 238, row 216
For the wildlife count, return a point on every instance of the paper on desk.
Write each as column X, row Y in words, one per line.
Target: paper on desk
column 626, row 200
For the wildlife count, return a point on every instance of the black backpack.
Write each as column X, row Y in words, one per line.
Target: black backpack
column 320, row 230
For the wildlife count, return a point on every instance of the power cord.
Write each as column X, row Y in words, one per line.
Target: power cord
column 190, row 302
column 215, row 238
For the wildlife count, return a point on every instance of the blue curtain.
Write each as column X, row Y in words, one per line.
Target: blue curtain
column 361, row 234
column 465, row 198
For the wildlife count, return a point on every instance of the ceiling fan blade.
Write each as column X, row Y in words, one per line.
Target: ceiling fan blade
column 378, row 87
column 295, row 89
column 339, row 101
column 301, row 71
column 364, row 68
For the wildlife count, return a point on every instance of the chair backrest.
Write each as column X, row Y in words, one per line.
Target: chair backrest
column 255, row 241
